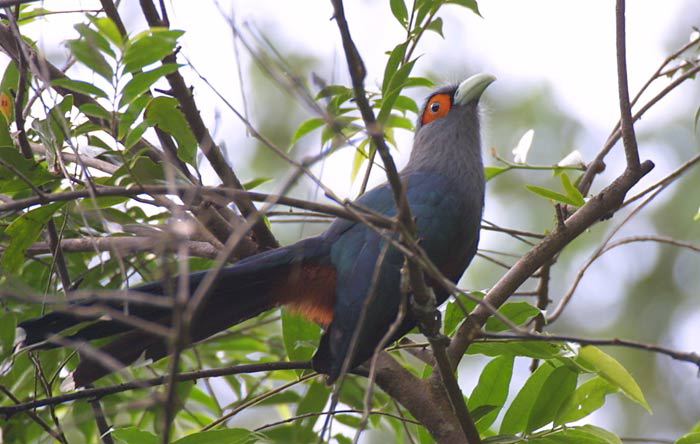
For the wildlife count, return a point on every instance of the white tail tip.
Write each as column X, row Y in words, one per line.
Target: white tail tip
column 68, row 384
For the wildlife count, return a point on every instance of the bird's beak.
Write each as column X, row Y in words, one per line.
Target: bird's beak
column 472, row 88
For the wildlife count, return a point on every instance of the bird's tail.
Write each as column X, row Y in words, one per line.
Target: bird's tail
column 299, row 276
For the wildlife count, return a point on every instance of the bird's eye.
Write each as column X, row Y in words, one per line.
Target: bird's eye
column 438, row 106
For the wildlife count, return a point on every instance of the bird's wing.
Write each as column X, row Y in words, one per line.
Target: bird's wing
column 444, row 225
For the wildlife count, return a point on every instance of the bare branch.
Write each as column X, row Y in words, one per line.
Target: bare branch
column 211, row 150
column 691, row 357
column 122, row 245
column 629, row 139
column 153, row 382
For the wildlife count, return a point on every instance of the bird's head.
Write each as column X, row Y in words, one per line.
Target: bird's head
column 447, row 131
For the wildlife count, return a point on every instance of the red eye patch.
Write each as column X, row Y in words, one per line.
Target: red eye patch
column 438, row 106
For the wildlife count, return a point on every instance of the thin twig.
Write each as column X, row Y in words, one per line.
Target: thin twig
column 36, row 418
column 153, row 382
column 691, row 357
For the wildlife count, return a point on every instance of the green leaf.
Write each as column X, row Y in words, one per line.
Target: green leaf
column 398, row 8
column 164, row 113
column 405, row 103
column 23, row 232
column 491, row 171
column 560, row 384
column 89, row 56
column 289, row 433
column 58, row 121
column 102, row 202
column 690, row 438
column 392, row 65
column 359, row 158
column 469, row 4
column 7, row 333
column 141, row 170
column 95, row 110
column 306, row 127
column 395, row 121
column 132, row 112
column 94, row 39
column 530, row 349
column 419, row 81
column 10, row 78
column 436, row 26
column 314, row 400
column 135, row 134
column 492, row 389
column 516, row 312
column 254, row 183
column 27, row 15
column 334, row 90
column 589, row 397
column 394, row 90
column 9, row 182
column 517, row 415
column 455, row 312
column 571, row 190
column 142, row 81
column 553, row 195
column 577, row 435
column 149, row 47
column 132, row 435
column 8, row 87
column 610, row 369
column 300, row 336
column 109, row 30
column 80, row 87
column 227, row 436
column 606, row 436
column 5, row 136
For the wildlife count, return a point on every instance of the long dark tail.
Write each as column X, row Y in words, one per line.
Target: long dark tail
column 299, row 275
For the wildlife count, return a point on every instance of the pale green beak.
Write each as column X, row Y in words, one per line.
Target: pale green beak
column 472, row 88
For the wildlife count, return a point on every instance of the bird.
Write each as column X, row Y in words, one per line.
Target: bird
column 327, row 278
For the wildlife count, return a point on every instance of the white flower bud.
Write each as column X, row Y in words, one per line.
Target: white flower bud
column 523, row 147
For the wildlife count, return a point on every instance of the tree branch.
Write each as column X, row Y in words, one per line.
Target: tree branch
column 423, row 303
column 211, row 150
column 629, row 139
column 596, row 208
column 691, row 357
column 153, row 382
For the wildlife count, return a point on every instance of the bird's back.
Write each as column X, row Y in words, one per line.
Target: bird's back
column 447, row 215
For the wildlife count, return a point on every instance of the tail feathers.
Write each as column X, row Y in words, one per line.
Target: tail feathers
column 39, row 329
column 298, row 275
column 118, row 354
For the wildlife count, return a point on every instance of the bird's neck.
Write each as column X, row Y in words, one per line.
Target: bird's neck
column 453, row 154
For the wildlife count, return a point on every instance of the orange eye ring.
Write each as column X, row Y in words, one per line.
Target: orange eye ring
column 438, row 106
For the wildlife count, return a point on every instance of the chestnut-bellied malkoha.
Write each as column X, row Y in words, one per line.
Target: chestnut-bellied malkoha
column 327, row 278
